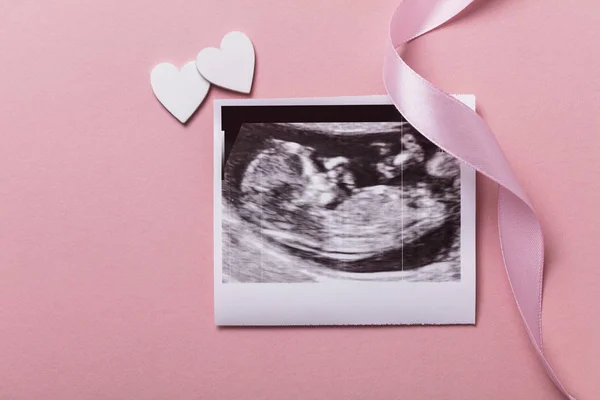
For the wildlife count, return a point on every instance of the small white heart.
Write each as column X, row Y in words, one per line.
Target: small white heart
column 230, row 67
column 181, row 92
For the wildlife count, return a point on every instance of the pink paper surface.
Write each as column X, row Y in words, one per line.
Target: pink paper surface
column 106, row 201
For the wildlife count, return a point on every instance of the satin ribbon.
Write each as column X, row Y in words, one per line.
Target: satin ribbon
column 458, row 130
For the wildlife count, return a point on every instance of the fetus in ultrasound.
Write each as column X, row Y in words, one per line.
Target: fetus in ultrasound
column 352, row 203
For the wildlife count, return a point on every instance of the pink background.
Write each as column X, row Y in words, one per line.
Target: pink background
column 106, row 201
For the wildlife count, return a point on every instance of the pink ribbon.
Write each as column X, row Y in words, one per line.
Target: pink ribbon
column 457, row 129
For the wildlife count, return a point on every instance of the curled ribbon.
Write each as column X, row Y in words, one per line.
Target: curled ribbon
column 458, row 130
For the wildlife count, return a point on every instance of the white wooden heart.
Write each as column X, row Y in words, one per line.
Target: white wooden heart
column 230, row 67
column 180, row 91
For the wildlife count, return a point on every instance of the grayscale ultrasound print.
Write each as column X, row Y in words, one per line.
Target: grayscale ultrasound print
column 309, row 202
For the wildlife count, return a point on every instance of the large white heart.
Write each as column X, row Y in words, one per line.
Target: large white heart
column 181, row 92
column 230, row 67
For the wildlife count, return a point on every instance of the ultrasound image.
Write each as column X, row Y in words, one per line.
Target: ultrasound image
column 309, row 202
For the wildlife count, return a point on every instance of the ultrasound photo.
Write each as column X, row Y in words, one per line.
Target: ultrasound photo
column 314, row 201
column 336, row 211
